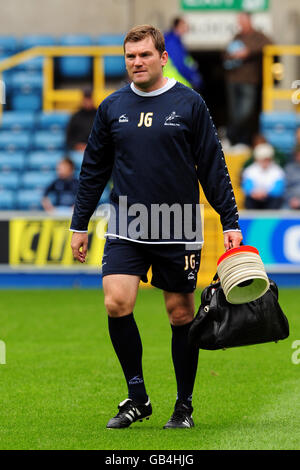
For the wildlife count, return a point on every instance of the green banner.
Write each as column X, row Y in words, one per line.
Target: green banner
column 238, row 5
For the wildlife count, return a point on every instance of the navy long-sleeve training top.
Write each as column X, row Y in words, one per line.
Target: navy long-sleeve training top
column 156, row 146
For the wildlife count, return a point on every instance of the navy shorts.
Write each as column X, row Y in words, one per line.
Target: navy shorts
column 174, row 268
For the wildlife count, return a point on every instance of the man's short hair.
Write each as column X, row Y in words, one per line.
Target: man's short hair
column 138, row 33
column 176, row 21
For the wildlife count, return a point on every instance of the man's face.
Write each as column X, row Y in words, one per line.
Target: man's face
column 64, row 170
column 244, row 22
column 144, row 63
column 182, row 28
column 87, row 103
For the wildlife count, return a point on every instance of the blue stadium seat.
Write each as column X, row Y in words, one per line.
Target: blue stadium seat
column 54, row 121
column 26, row 91
column 7, row 199
column 12, row 161
column 9, row 180
column 35, row 64
column 27, row 42
column 27, row 82
column 36, row 179
column 12, row 141
column 75, row 66
column 8, row 44
column 29, row 199
column 45, row 140
column 37, row 40
column 114, row 66
column 43, row 161
column 17, row 121
column 282, row 141
column 278, row 121
column 76, row 157
column 26, row 101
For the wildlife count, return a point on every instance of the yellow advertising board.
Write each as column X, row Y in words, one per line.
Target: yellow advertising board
column 46, row 242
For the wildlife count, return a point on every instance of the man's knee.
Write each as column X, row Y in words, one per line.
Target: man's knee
column 180, row 308
column 117, row 306
column 180, row 315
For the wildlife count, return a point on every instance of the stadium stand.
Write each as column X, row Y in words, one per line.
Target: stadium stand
column 37, row 40
column 26, row 91
column 12, row 141
column 11, row 162
column 8, row 45
column 7, row 199
column 279, row 128
column 28, row 199
column 42, row 161
column 114, row 66
column 10, row 180
column 35, row 64
column 75, row 67
column 47, row 140
column 17, row 121
column 36, row 179
column 52, row 121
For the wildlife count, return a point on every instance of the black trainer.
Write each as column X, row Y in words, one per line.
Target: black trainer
column 182, row 417
column 129, row 412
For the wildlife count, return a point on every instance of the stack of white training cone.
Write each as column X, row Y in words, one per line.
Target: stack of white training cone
column 242, row 275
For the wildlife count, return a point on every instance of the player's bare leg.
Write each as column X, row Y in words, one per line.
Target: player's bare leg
column 120, row 292
column 181, row 309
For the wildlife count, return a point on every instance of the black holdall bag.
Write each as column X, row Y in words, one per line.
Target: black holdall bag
column 221, row 325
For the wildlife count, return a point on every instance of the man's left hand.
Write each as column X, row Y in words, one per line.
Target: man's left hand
column 232, row 239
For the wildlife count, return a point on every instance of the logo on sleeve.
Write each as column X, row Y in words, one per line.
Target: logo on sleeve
column 123, row 118
column 172, row 119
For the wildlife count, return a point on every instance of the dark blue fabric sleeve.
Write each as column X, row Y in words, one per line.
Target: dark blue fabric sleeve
column 212, row 170
column 95, row 171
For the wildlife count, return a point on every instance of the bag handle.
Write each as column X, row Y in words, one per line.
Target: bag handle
column 216, row 276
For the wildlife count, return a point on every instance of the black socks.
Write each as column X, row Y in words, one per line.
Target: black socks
column 185, row 360
column 127, row 343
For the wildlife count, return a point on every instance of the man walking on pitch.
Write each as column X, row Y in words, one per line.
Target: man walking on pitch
column 157, row 140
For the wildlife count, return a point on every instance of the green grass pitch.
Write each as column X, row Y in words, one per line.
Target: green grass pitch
column 62, row 382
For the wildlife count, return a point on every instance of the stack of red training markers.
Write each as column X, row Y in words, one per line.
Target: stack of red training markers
column 242, row 275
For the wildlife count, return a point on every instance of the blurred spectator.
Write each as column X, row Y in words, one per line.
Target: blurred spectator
column 181, row 65
column 243, row 66
column 263, row 181
column 279, row 157
column 292, row 174
column 81, row 123
column 60, row 195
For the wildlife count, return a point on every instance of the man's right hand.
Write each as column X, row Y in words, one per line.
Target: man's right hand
column 79, row 245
